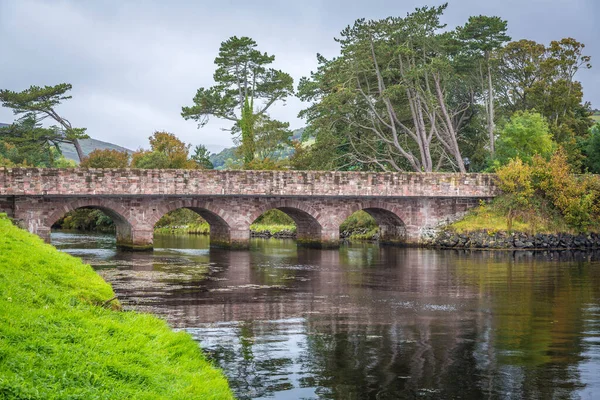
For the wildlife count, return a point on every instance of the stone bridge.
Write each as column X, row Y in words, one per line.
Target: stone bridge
column 405, row 205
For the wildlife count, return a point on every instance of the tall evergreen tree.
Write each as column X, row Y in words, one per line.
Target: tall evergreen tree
column 483, row 36
column 41, row 102
column 245, row 88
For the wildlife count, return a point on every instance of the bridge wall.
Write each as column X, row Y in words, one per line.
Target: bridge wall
column 128, row 182
column 317, row 218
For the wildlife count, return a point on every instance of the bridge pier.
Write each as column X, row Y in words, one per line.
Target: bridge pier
column 235, row 239
column 325, row 239
column 134, row 239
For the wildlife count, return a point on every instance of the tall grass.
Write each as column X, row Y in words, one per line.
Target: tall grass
column 492, row 217
column 58, row 339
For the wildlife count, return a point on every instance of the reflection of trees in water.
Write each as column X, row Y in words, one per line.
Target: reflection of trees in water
column 521, row 335
column 424, row 359
column 537, row 313
column 249, row 363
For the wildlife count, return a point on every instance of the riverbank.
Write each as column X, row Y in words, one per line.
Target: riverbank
column 62, row 334
column 488, row 227
column 489, row 239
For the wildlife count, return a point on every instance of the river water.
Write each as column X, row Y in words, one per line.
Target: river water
column 370, row 322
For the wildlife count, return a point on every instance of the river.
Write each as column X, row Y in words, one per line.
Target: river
column 370, row 322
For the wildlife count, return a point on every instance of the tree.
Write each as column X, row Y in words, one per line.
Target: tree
column 484, row 35
column 247, row 121
column 106, row 159
column 41, row 103
column 271, row 137
column 201, row 157
column 242, row 79
column 592, row 150
column 176, row 150
column 150, row 160
column 166, row 151
column 394, row 92
column 526, row 134
column 27, row 143
column 535, row 77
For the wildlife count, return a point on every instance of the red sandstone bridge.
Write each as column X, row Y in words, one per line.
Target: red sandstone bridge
column 405, row 205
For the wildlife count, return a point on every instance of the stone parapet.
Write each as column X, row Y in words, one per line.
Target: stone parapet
column 138, row 182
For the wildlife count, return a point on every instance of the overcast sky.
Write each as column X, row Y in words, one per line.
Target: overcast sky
column 134, row 64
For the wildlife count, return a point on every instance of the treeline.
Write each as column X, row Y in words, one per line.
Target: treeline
column 408, row 94
column 166, row 151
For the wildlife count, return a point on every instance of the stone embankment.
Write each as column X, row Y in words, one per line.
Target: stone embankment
column 516, row 240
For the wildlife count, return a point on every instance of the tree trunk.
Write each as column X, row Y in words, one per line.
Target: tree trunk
column 80, row 153
column 450, row 131
column 491, row 109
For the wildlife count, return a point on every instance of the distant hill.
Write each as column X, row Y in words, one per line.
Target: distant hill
column 89, row 145
column 220, row 159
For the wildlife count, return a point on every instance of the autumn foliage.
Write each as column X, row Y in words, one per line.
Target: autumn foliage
column 106, row 159
column 166, row 151
column 575, row 197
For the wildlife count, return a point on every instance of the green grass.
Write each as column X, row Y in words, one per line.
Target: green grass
column 273, row 228
column 596, row 116
column 202, row 228
column 57, row 341
column 487, row 218
column 492, row 218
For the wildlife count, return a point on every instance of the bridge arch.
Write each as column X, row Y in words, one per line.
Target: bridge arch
column 391, row 219
column 309, row 230
column 114, row 210
column 221, row 220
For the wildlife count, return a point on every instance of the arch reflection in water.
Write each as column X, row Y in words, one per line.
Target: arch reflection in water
column 370, row 322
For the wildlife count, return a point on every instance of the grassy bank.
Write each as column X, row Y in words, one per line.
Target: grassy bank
column 57, row 340
column 493, row 217
column 273, row 229
column 193, row 229
column 539, row 196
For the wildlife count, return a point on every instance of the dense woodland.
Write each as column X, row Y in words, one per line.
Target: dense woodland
column 403, row 94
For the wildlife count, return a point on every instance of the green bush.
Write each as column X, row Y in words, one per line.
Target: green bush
column 526, row 134
column 86, row 219
column 359, row 220
column 550, row 182
column 275, row 217
column 106, row 158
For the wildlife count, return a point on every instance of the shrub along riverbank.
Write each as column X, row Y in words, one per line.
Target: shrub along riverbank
column 543, row 205
column 61, row 337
